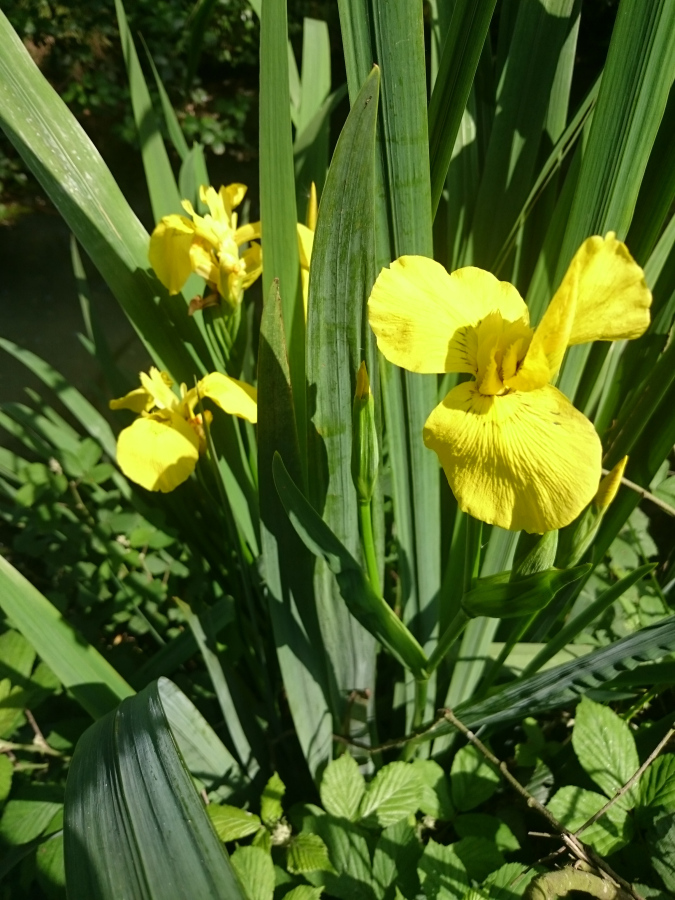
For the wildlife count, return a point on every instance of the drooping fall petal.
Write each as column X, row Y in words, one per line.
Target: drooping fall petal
column 158, row 452
column 525, row 460
column 169, row 252
column 420, row 313
column 234, row 397
column 613, row 298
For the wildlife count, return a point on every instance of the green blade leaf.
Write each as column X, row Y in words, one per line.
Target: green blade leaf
column 341, row 276
column 566, row 635
column 539, row 37
column 456, row 70
column 158, row 172
column 134, row 823
column 278, row 212
column 94, row 683
column 519, row 598
column 370, row 610
column 563, row 684
column 73, row 174
column 638, row 74
column 287, row 568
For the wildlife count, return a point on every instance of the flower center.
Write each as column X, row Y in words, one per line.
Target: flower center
column 496, row 349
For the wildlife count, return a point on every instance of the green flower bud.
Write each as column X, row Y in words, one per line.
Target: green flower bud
column 365, row 447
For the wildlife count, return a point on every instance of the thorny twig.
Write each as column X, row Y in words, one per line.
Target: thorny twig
column 582, row 852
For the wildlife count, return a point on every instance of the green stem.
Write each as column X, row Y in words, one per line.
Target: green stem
column 447, row 639
column 368, row 544
column 421, row 685
column 474, row 530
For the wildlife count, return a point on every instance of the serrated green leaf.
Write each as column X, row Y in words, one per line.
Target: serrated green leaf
column 349, row 854
column 660, row 838
column 606, row 749
column 256, row 872
column 508, row 882
column 479, row 855
column 308, row 853
column 657, row 784
column 489, row 827
column 573, row 806
column 472, row 779
column 232, row 823
column 442, row 872
column 392, row 795
column 397, row 853
column 6, row 772
column 24, row 820
column 435, row 797
column 304, row 892
column 271, row 809
column 51, row 871
column 342, row 788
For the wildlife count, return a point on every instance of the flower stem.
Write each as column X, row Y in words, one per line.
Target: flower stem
column 420, row 702
column 368, row 545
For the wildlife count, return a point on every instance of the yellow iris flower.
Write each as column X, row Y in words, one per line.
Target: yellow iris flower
column 160, row 449
column 208, row 245
column 515, row 451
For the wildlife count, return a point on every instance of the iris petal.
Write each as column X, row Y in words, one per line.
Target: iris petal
column 169, row 252
column 613, row 300
column 420, row 313
column 158, row 452
column 234, row 397
column 521, row 461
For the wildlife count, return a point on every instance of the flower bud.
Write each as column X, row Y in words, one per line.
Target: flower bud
column 365, row 448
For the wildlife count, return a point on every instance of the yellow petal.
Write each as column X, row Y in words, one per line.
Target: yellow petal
column 202, row 261
column 249, row 232
column 169, row 252
column 232, row 195
column 158, row 453
column 304, row 279
column 521, row 461
column 613, row 298
column 252, row 260
column 551, row 337
column 305, row 244
column 138, row 400
column 420, row 313
column 158, row 386
column 609, row 485
column 234, row 397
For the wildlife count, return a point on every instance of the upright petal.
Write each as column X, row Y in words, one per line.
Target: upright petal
column 551, row 337
column 232, row 195
column 234, row 397
column 613, row 298
column 521, row 461
column 305, row 245
column 169, row 252
column 158, row 453
column 420, row 313
column 158, row 386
